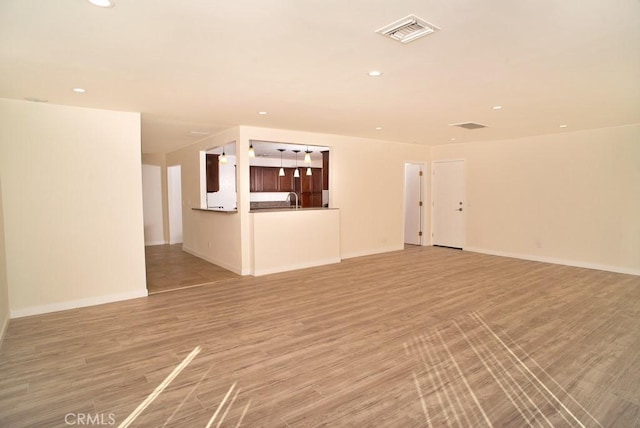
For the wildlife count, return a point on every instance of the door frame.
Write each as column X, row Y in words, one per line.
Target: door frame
column 174, row 206
column 464, row 196
column 421, row 183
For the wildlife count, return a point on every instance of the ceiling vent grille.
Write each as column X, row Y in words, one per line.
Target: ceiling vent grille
column 407, row 29
column 469, row 125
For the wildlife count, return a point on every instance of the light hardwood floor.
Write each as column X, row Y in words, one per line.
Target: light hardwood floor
column 169, row 268
column 425, row 337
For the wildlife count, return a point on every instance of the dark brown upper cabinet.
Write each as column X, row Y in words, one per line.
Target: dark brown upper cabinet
column 308, row 188
column 255, row 179
column 213, row 173
column 325, row 170
column 285, row 183
column 270, row 180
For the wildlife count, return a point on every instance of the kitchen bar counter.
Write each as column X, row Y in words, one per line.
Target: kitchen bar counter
column 263, row 210
column 270, row 210
column 216, row 210
column 289, row 239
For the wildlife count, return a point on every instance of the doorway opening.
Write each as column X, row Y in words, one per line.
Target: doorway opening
column 168, row 267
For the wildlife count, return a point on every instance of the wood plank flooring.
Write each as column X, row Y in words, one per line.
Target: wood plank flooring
column 169, row 268
column 425, row 337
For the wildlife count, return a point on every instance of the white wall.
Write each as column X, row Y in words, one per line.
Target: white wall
column 152, row 205
column 72, row 200
column 213, row 236
column 4, row 286
column 571, row 198
column 366, row 178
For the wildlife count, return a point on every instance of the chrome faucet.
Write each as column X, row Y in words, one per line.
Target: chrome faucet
column 289, row 198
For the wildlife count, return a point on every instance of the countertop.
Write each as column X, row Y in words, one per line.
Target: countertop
column 262, row 210
column 270, row 210
column 216, row 210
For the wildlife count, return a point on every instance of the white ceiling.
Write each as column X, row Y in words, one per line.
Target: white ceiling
column 208, row 65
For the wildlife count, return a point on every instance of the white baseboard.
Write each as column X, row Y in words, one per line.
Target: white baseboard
column 371, row 252
column 574, row 263
column 193, row 252
column 73, row 304
column 150, row 243
column 297, row 266
column 3, row 328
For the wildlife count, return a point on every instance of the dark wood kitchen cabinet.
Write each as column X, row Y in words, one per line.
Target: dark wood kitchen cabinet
column 309, row 188
column 267, row 179
column 285, row 183
column 255, row 179
column 213, row 173
column 318, row 175
column 270, row 180
column 325, row 170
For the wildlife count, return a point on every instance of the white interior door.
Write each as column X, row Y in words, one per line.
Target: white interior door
column 413, row 204
column 174, row 191
column 448, row 203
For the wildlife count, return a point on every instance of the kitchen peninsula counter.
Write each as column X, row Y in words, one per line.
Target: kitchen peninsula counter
column 262, row 210
column 216, row 210
column 286, row 239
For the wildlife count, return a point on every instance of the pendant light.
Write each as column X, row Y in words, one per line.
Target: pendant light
column 307, row 157
column 281, row 173
column 223, row 156
column 252, row 153
column 296, row 173
column 309, row 171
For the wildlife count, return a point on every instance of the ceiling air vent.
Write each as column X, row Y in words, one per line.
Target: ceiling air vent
column 468, row 125
column 407, row 29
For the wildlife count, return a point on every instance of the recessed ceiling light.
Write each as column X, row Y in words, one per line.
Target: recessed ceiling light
column 497, row 107
column 563, row 126
column 452, row 139
column 378, row 128
column 262, row 112
column 375, row 73
column 102, row 3
column 79, row 90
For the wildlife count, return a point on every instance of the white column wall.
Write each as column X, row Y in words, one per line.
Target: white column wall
column 72, row 201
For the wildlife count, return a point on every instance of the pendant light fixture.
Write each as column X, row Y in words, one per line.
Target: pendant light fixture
column 309, row 171
column 223, row 156
column 281, row 173
column 252, row 153
column 307, row 157
column 296, row 173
